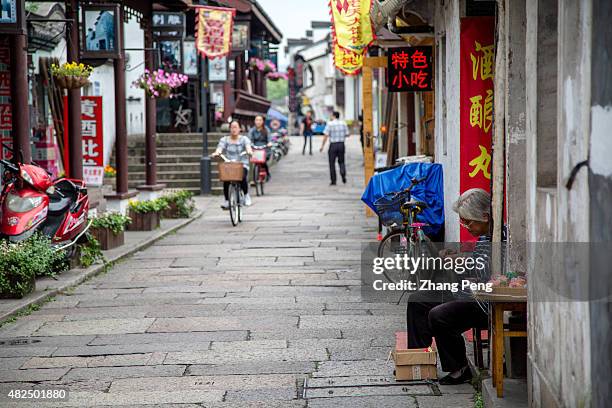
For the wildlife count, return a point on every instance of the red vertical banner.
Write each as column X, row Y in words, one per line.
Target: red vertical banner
column 6, row 117
column 93, row 138
column 477, row 64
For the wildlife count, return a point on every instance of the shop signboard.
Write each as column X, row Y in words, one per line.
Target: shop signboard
column 217, row 70
column 240, row 36
column 100, row 31
column 12, row 17
column 410, row 69
column 93, row 138
column 6, row 121
column 477, row 62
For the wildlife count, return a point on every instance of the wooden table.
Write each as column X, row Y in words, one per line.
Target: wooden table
column 509, row 300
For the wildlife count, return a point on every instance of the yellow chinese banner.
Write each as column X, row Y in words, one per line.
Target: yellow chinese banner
column 352, row 33
column 214, row 31
column 348, row 62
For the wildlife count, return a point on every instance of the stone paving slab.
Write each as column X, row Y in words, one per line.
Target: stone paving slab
column 100, row 326
column 215, row 357
column 257, row 367
column 364, row 402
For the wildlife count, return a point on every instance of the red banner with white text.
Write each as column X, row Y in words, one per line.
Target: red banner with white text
column 477, row 64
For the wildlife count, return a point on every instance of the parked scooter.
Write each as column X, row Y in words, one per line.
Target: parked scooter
column 32, row 202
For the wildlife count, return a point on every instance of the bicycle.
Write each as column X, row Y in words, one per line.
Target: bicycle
column 259, row 171
column 232, row 172
column 399, row 211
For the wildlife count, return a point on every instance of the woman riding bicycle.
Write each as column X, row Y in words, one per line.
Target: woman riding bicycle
column 260, row 136
column 236, row 147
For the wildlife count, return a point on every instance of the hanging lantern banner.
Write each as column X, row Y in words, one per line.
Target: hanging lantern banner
column 352, row 33
column 214, row 27
column 348, row 62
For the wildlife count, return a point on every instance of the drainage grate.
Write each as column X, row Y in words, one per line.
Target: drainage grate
column 366, row 386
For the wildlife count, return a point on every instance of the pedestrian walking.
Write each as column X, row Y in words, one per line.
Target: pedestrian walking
column 260, row 136
column 234, row 148
column 336, row 131
column 306, row 131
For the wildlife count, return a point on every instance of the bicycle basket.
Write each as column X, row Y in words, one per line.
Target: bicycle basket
column 231, row 171
column 259, row 156
column 388, row 208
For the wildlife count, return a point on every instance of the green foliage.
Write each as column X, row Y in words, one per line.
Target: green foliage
column 478, row 402
column 91, row 252
column 183, row 200
column 112, row 220
column 148, row 205
column 277, row 90
column 20, row 263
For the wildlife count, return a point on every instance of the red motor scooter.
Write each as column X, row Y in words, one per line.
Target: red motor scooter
column 31, row 201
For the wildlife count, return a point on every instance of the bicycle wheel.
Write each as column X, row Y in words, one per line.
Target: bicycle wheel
column 394, row 243
column 398, row 243
column 240, row 202
column 256, row 179
column 233, row 203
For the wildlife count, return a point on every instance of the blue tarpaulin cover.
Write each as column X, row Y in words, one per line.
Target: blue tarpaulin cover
column 430, row 191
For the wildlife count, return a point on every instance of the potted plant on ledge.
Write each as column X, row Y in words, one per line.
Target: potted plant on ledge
column 145, row 215
column 180, row 204
column 23, row 262
column 109, row 229
column 71, row 75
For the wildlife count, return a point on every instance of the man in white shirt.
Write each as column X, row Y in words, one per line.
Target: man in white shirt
column 336, row 131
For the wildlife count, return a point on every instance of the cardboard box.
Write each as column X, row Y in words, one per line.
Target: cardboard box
column 416, row 372
column 415, row 364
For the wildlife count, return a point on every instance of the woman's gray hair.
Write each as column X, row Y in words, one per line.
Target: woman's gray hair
column 473, row 204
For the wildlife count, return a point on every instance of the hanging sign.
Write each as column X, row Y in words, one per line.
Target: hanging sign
column 217, row 70
column 348, row 62
column 214, row 27
column 477, row 62
column 12, row 17
column 6, row 117
column 410, row 69
column 93, row 138
column 352, row 33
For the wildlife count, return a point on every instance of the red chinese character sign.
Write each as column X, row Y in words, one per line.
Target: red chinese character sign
column 214, row 27
column 477, row 63
column 410, row 69
column 6, row 121
column 352, row 33
column 93, row 138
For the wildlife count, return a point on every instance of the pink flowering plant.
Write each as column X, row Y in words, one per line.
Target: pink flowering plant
column 265, row 66
column 159, row 83
column 275, row 76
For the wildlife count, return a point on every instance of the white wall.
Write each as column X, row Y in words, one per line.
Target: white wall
column 447, row 23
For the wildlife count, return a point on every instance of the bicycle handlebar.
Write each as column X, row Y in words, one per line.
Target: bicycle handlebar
column 413, row 183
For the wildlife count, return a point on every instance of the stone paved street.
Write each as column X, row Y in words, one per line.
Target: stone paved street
column 267, row 314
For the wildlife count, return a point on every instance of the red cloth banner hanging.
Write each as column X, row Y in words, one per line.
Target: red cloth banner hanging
column 477, row 64
column 93, row 138
column 214, row 27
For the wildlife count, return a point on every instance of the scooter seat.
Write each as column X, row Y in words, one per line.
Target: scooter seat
column 58, row 205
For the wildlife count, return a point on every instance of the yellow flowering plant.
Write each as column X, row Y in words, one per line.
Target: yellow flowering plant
column 109, row 171
column 72, row 69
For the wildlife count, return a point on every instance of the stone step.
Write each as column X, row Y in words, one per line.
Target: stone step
column 170, row 151
column 167, row 167
column 168, row 159
column 168, row 175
